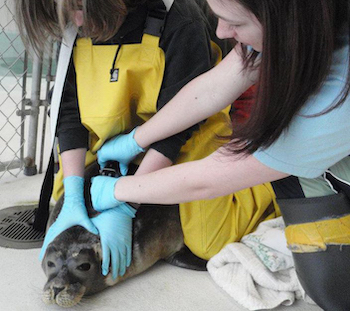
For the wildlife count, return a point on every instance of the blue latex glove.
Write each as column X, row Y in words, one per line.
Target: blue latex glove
column 115, row 228
column 102, row 193
column 122, row 148
column 73, row 212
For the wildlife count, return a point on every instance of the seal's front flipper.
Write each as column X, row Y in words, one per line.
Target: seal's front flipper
column 184, row 258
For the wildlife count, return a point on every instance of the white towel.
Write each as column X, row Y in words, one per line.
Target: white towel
column 258, row 283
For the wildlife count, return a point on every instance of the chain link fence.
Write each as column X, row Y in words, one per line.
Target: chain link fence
column 24, row 85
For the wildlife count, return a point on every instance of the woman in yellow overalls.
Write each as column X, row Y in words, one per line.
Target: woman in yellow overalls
column 117, row 81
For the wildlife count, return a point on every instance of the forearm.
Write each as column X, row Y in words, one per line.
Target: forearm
column 198, row 100
column 214, row 176
column 73, row 162
column 166, row 186
column 153, row 161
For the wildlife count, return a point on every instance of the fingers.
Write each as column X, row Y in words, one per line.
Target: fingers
column 115, row 258
column 88, row 225
column 95, row 191
column 105, row 258
column 49, row 237
column 115, row 229
column 123, row 169
column 115, row 263
column 128, row 255
column 100, row 160
column 122, row 266
column 119, row 260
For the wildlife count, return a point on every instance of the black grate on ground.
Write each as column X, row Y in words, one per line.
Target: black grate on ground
column 16, row 230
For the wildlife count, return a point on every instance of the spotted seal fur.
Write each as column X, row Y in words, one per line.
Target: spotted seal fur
column 72, row 262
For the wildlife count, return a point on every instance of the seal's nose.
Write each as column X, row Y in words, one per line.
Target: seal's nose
column 57, row 290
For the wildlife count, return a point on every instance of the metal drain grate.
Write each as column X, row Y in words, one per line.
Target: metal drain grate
column 16, row 230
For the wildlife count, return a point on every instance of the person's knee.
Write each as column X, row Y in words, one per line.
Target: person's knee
column 325, row 277
column 318, row 233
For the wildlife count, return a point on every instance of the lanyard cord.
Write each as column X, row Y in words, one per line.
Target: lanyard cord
column 115, row 71
column 115, row 57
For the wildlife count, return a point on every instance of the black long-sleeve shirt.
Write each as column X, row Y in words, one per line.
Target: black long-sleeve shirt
column 186, row 44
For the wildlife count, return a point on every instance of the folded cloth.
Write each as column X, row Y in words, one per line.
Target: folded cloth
column 270, row 245
column 258, row 277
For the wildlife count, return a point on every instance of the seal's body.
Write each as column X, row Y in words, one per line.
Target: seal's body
column 72, row 262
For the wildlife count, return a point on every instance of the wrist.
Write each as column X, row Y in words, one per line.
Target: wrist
column 115, row 191
column 102, row 193
column 113, row 200
column 73, row 186
column 137, row 138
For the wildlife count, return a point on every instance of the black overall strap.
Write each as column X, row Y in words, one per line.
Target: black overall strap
column 43, row 210
column 156, row 18
column 65, row 52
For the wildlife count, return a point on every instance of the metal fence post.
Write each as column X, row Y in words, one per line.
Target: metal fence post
column 30, row 167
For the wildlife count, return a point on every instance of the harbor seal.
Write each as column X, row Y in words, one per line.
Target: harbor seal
column 72, row 262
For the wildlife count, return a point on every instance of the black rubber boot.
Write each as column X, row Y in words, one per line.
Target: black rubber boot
column 324, row 275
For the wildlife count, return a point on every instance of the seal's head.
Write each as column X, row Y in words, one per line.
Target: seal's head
column 72, row 264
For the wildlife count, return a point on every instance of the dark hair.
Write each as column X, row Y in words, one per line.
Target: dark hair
column 40, row 19
column 300, row 37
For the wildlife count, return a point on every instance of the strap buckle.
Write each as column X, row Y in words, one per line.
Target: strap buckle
column 155, row 20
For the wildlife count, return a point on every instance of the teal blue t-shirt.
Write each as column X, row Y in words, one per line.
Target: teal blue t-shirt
column 312, row 145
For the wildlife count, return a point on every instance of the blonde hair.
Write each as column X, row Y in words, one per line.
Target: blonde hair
column 40, row 19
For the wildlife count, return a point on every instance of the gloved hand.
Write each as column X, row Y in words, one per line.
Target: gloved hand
column 73, row 212
column 115, row 228
column 102, row 193
column 122, row 148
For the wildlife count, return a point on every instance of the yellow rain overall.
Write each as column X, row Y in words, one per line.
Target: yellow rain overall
column 113, row 102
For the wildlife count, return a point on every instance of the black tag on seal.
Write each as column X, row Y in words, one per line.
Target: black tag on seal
column 114, row 75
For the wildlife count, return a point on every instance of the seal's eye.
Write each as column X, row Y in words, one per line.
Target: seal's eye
column 84, row 267
column 50, row 264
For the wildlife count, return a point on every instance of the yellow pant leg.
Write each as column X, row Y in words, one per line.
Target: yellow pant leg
column 209, row 225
